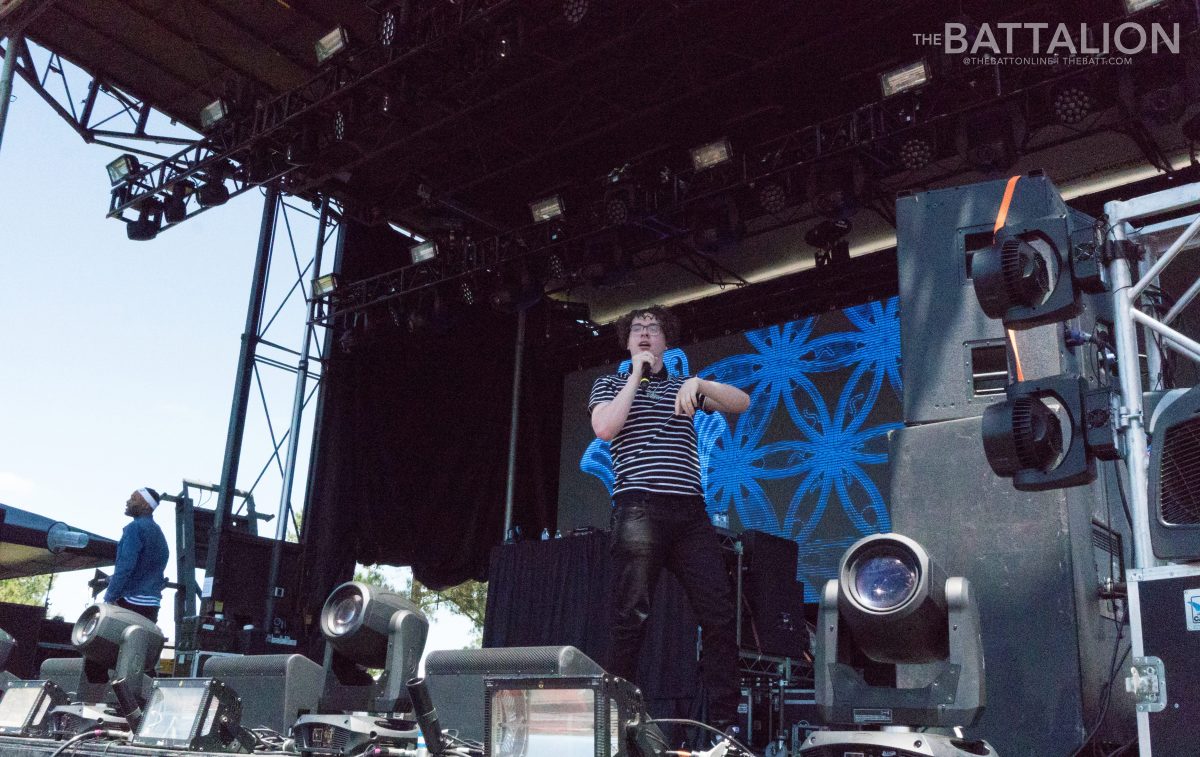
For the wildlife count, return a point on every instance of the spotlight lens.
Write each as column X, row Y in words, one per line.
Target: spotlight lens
column 884, row 581
column 344, row 613
column 89, row 626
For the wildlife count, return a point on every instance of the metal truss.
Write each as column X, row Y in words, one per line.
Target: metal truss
column 251, row 146
column 281, row 289
column 1130, row 311
column 99, row 112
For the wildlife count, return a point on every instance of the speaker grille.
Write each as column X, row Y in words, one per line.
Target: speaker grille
column 1180, row 503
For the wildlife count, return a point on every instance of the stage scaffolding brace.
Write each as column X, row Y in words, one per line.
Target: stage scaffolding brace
column 6, row 80
column 275, row 208
column 1150, row 676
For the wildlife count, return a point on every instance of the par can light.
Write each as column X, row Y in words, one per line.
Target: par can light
column 25, row 707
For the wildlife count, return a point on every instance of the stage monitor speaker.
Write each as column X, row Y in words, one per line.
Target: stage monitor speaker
column 773, row 606
column 1035, row 561
column 455, row 678
column 275, row 689
column 954, row 359
column 84, row 681
column 1175, row 475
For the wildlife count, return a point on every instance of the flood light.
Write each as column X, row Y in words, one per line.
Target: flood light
column 331, row 44
column 546, row 209
column 422, row 252
column 213, row 113
column 324, row 285
column 905, row 78
column 711, row 155
column 195, row 714
column 25, row 707
column 122, row 168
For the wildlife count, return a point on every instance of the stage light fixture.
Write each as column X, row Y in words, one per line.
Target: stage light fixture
column 535, row 716
column 427, row 250
column 194, row 714
column 175, row 204
column 332, row 44
column 574, row 11
column 546, row 209
column 1025, row 439
column 121, row 640
column 555, row 267
column 393, row 23
column 324, row 285
column 122, row 168
column 915, row 153
column 213, row 193
column 893, row 615
column 25, row 707
column 213, row 113
column 836, row 187
column 716, row 224
column 711, row 155
column 772, row 197
column 616, row 210
column 1073, row 103
column 148, row 222
column 1133, row 6
column 368, row 627
column 466, row 293
column 904, row 79
column 1155, row 89
column 989, row 140
column 508, row 39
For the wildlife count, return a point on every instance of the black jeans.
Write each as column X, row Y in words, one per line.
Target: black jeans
column 655, row 531
column 146, row 611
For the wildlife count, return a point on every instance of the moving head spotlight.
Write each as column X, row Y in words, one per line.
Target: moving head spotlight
column 118, row 647
column 899, row 647
column 365, row 627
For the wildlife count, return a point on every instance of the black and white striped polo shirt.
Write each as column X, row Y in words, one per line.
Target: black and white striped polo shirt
column 655, row 450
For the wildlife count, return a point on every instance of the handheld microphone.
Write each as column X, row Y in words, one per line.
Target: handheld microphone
column 644, row 380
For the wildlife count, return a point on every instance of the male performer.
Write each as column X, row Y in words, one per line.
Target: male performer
column 138, row 579
column 659, row 518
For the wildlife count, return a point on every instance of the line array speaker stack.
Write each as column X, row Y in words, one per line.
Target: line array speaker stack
column 1034, row 559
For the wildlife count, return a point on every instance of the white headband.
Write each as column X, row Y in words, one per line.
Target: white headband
column 150, row 500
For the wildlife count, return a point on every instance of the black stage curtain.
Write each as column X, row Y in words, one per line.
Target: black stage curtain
column 557, row 592
column 412, row 437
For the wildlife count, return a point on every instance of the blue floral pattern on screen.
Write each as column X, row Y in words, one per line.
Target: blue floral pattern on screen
column 798, row 464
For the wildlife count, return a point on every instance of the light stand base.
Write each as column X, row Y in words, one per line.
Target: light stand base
column 892, row 744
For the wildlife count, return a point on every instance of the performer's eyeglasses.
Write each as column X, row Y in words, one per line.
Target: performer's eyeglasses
column 653, row 329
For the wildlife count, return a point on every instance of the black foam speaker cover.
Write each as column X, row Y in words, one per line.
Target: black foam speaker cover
column 773, row 606
column 275, row 689
column 1175, row 475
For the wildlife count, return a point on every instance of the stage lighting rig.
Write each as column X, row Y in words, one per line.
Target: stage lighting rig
column 365, row 627
column 892, row 614
column 149, row 221
column 332, row 44
column 368, row 627
column 989, row 140
column 213, row 113
column 903, row 79
column 711, row 155
column 546, row 209
column 117, row 646
column 123, row 168
column 25, row 707
column 1033, row 272
column 420, row 253
column 196, row 714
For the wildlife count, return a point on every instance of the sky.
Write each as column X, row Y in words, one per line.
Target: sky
column 118, row 358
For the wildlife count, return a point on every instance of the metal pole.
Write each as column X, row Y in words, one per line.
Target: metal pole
column 241, row 390
column 6, row 79
column 518, row 358
column 289, row 465
column 1130, row 423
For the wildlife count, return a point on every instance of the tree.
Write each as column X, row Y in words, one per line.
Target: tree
column 27, row 590
column 468, row 599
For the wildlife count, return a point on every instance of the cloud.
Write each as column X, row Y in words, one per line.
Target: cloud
column 14, row 487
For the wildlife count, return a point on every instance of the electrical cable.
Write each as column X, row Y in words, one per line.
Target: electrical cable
column 93, row 733
column 1105, row 692
column 705, row 726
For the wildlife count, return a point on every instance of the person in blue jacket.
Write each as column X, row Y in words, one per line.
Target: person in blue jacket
column 138, row 579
